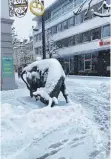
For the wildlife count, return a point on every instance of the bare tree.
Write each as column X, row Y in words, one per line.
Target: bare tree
column 105, row 6
column 51, row 47
column 15, row 39
column 25, row 56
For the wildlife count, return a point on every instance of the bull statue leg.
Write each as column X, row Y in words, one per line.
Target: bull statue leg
column 64, row 92
column 52, row 98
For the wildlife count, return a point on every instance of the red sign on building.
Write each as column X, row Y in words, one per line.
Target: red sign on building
column 107, row 42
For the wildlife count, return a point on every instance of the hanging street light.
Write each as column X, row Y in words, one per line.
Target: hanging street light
column 34, row 7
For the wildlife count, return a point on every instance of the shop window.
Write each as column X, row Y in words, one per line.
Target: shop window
column 59, row 27
column 106, row 31
column 78, row 19
column 65, row 25
column 87, row 65
column 87, row 56
column 78, row 39
column 96, row 34
column 54, row 29
column 94, row 62
column 88, row 60
column 81, row 62
column 86, row 36
column 70, row 22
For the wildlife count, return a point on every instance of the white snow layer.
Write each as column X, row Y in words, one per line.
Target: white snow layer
column 55, row 71
column 19, row 132
column 64, row 132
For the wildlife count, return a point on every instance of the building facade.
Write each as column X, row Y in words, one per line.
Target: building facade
column 7, row 66
column 83, row 41
column 23, row 53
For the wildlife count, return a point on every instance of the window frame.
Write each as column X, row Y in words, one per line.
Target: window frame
column 103, row 31
column 89, row 37
column 91, row 31
column 73, row 18
column 63, row 25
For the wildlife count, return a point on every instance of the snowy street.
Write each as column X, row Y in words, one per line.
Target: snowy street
column 77, row 130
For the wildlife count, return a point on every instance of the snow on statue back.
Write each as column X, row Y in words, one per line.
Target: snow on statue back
column 54, row 83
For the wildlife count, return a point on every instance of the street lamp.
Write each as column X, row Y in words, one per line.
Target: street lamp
column 40, row 5
column 43, row 34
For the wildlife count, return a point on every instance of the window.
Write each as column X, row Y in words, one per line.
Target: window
column 49, row 31
column 96, row 34
column 78, row 19
column 87, row 65
column 59, row 44
column 71, row 41
column 106, row 31
column 54, row 29
column 81, row 62
column 78, row 39
column 59, row 27
column 87, row 56
column 57, row 13
column 70, row 22
column 88, row 60
column 65, row 42
column 64, row 25
column 86, row 36
column 67, row 7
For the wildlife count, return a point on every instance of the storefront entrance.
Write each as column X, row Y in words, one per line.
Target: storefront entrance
column 104, row 63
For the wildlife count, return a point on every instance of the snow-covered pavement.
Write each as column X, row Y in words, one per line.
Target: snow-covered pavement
column 78, row 130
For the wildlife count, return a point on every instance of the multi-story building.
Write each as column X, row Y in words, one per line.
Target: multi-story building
column 23, row 53
column 84, row 41
column 7, row 79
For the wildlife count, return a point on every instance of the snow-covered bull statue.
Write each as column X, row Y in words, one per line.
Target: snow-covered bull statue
column 49, row 77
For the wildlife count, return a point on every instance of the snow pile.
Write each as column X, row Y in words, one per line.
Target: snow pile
column 19, row 132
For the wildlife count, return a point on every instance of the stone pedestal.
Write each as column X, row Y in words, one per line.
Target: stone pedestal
column 7, row 65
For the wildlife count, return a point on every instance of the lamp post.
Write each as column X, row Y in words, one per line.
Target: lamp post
column 43, row 34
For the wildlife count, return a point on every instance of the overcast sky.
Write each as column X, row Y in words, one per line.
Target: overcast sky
column 23, row 25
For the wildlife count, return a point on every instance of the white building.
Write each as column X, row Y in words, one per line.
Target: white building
column 7, row 70
column 84, row 42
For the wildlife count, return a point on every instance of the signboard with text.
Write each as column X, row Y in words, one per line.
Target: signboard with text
column 7, row 67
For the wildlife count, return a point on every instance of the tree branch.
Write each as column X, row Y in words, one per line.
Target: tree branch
column 104, row 5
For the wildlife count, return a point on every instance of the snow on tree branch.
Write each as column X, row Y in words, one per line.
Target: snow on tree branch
column 105, row 6
column 51, row 47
